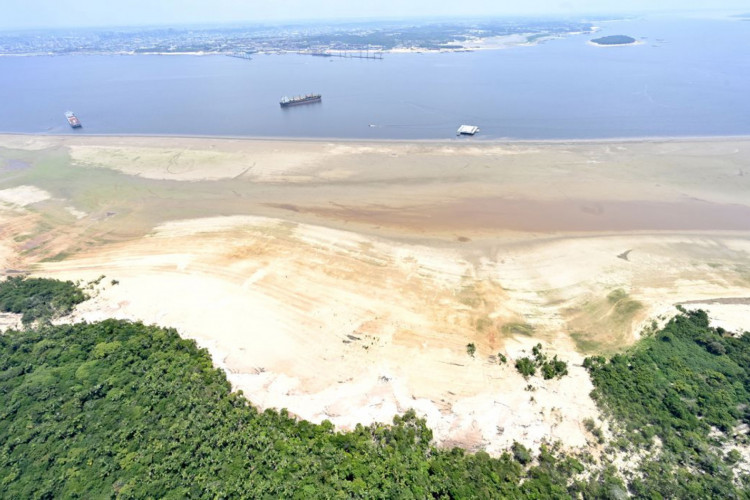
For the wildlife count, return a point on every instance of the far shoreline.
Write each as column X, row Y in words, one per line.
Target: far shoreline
column 501, row 42
column 474, row 141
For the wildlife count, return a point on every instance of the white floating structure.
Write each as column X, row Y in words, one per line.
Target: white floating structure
column 467, row 130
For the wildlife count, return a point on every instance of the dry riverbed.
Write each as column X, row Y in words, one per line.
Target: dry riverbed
column 343, row 281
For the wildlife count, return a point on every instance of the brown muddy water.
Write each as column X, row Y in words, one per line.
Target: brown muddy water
column 544, row 216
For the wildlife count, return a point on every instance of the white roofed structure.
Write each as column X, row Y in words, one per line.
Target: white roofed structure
column 467, row 130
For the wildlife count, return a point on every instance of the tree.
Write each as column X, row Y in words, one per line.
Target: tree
column 521, row 453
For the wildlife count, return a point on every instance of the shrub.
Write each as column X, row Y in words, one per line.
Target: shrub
column 554, row 368
column 733, row 457
column 526, row 367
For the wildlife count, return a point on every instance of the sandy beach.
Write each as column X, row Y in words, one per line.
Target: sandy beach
column 344, row 280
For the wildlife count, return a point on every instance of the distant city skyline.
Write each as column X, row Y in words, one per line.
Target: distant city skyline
column 29, row 14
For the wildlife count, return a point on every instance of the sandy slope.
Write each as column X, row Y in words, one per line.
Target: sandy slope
column 334, row 325
column 344, row 280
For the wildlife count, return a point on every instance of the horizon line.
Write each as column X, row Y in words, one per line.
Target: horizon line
column 367, row 19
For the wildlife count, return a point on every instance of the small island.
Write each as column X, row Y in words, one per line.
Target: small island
column 614, row 40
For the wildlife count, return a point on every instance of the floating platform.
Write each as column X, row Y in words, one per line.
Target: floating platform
column 467, row 130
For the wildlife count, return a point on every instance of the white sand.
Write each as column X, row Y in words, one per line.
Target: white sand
column 279, row 318
column 23, row 195
column 276, row 305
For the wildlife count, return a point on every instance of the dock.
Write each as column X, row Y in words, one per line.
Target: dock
column 362, row 54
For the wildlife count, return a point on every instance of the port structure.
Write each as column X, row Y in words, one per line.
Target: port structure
column 349, row 54
column 241, row 55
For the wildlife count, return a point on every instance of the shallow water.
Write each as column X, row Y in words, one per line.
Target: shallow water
column 11, row 165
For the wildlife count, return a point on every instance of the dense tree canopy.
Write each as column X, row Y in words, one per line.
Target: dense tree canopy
column 689, row 386
column 38, row 298
column 123, row 410
column 614, row 40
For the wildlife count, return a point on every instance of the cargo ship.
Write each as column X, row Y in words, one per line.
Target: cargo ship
column 73, row 119
column 303, row 99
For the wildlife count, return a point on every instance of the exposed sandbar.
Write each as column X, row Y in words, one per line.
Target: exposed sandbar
column 343, row 280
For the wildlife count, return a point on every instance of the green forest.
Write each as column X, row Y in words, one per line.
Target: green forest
column 687, row 386
column 614, row 40
column 123, row 410
column 39, row 298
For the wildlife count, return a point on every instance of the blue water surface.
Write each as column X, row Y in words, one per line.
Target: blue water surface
column 688, row 77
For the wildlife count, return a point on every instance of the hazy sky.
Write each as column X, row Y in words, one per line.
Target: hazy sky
column 21, row 14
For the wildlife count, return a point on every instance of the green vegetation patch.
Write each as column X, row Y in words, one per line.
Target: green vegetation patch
column 526, row 367
column 682, row 384
column 39, row 298
column 604, row 324
column 550, row 368
column 470, row 296
column 623, row 306
column 60, row 256
column 122, row 410
column 484, row 323
column 518, row 329
column 584, row 344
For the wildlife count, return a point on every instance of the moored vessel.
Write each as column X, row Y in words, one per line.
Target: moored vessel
column 73, row 119
column 303, row 99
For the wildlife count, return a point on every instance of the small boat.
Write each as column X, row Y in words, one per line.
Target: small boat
column 73, row 120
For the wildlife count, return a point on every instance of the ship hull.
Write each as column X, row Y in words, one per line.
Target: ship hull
column 297, row 102
column 73, row 120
